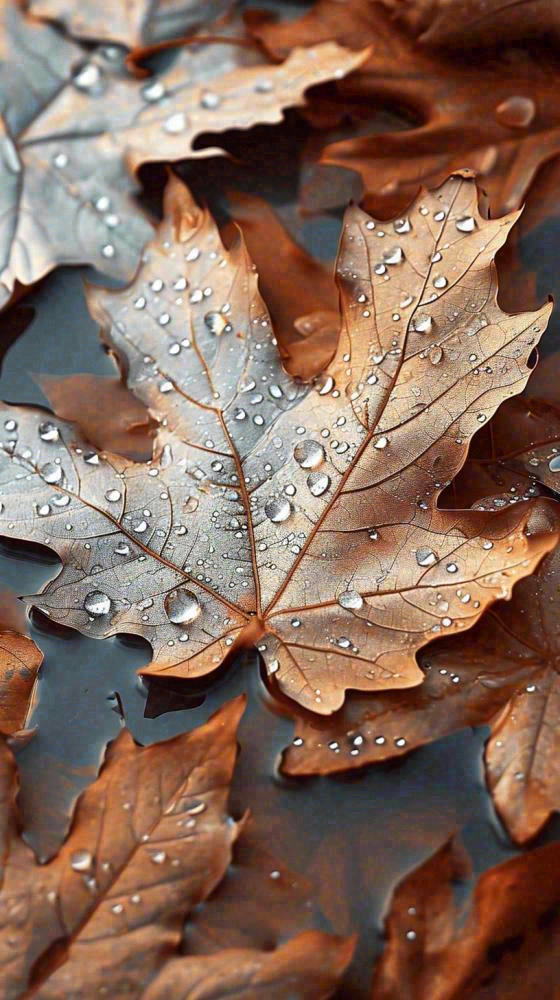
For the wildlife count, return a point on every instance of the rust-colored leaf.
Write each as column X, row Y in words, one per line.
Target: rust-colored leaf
column 150, row 840
column 460, row 23
column 496, row 113
column 125, row 426
column 76, row 125
column 299, row 290
column 300, row 518
column 130, row 22
column 502, row 944
column 20, row 660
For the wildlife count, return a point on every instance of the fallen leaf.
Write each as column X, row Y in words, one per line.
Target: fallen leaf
column 299, row 291
column 461, row 23
column 20, row 660
column 107, row 413
column 496, row 113
column 507, row 675
column 503, row 943
column 77, row 125
column 303, row 519
column 132, row 22
column 105, row 916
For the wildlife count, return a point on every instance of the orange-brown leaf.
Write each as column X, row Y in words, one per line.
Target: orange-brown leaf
column 503, row 943
column 462, row 23
column 20, row 660
column 495, row 113
column 304, row 519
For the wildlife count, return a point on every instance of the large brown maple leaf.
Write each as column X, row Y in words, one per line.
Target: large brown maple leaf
column 497, row 114
column 300, row 518
column 502, row 943
column 460, row 23
column 75, row 125
column 150, row 840
column 508, row 673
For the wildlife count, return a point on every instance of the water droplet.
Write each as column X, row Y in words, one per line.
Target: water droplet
column 48, row 431
column 381, row 443
column 402, row 226
column 411, row 935
column 436, row 354
column 466, row 225
column 153, row 91
column 81, row 860
column 278, row 510
column 452, row 567
column 97, row 604
column 158, row 857
column 117, row 908
column 175, row 123
column 516, row 112
column 9, row 155
column 60, row 160
column 425, row 557
column 182, row 606
column 393, row 256
column 422, row 323
column 309, row 454
column 554, row 464
column 108, row 250
column 351, row 600
column 273, row 667
column 210, row 100
column 113, row 496
column 217, row 323
column 122, row 549
column 87, row 76
column 164, row 319
column 440, row 281
column 318, row 483
column 51, row 473
column 43, row 510
column 400, row 741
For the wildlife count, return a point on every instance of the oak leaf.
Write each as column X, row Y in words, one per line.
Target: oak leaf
column 130, row 22
column 502, row 943
column 76, row 126
column 300, row 518
column 508, row 673
column 150, row 840
column 496, row 114
column 20, row 660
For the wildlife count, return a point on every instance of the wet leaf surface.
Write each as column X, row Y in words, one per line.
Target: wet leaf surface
column 76, row 125
column 286, row 485
column 495, row 113
column 502, row 943
column 20, row 660
column 462, row 23
column 132, row 22
column 150, row 840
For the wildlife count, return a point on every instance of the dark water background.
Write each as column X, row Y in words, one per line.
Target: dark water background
column 352, row 836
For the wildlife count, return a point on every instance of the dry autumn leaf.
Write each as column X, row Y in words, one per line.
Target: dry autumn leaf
column 20, row 660
column 130, row 22
column 302, row 519
column 105, row 916
column 77, row 125
column 460, row 23
column 497, row 114
column 503, row 943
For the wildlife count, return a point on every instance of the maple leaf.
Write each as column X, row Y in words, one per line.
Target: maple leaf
column 459, row 23
column 150, row 840
column 303, row 519
column 496, row 114
column 69, row 150
column 502, row 943
column 140, row 22
column 20, row 660
column 508, row 673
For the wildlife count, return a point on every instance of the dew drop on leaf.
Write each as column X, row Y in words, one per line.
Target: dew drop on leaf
column 182, row 606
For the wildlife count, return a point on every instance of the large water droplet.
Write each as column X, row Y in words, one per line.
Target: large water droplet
column 516, row 112
column 554, row 464
column 81, row 860
column 425, row 557
column 48, row 431
column 351, row 600
column 436, row 354
column 9, row 154
column 51, row 473
column 97, row 604
column 466, row 225
column 217, row 323
column 422, row 323
column 278, row 510
column 309, row 454
column 318, row 483
column 113, row 496
column 153, row 91
column 182, row 606
column 393, row 256
column 87, row 76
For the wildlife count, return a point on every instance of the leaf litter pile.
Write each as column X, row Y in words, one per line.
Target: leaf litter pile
column 298, row 477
